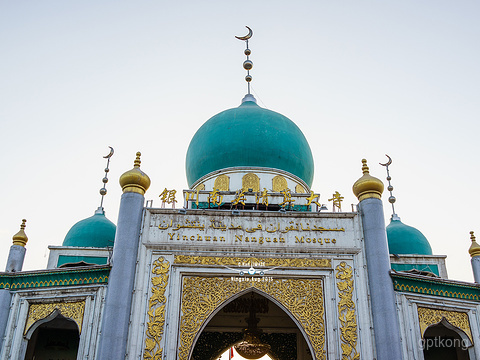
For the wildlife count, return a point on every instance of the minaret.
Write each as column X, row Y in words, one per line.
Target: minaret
column 368, row 190
column 14, row 264
column 17, row 250
column 475, row 254
column 116, row 313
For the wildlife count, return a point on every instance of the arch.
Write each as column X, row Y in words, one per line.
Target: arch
column 299, row 189
column 279, row 183
column 446, row 341
column 204, row 297
column 222, row 183
column 233, row 338
column 250, row 181
column 53, row 336
column 39, row 312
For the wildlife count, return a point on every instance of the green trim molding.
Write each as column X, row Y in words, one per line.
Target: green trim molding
column 55, row 277
column 435, row 287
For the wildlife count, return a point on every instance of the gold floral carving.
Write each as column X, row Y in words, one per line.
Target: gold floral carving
column 156, row 310
column 251, row 181
column 302, row 297
column 279, row 183
column 222, row 183
column 346, row 312
column 241, row 261
column 299, row 189
column 71, row 310
column 428, row 317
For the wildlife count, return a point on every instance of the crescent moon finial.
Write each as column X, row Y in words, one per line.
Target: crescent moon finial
column 110, row 154
column 246, row 37
column 103, row 190
column 389, row 162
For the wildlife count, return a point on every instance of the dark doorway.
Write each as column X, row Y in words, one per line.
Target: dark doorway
column 57, row 339
column 442, row 343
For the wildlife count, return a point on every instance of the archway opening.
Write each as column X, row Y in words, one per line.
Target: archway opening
column 55, row 339
column 227, row 329
column 443, row 343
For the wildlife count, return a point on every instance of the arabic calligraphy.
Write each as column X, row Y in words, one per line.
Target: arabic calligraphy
column 270, row 228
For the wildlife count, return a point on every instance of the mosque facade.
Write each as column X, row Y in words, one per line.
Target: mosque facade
column 250, row 260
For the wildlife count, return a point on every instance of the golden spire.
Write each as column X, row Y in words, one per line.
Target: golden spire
column 247, row 64
column 21, row 238
column 135, row 180
column 474, row 248
column 367, row 186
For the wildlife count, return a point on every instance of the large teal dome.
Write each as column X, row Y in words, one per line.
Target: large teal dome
column 404, row 239
column 249, row 136
column 95, row 231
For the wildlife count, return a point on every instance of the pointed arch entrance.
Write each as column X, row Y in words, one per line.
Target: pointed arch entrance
column 55, row 337
column 301, row 300
column 446, row 342
column 276, row 327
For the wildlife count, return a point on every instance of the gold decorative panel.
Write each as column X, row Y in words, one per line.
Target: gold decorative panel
column 251, row 181
column 200, row 187
column 222, row 183
column 156, row 310
column 303, row 298
column 428, row 317
column 279, row 183
column 299, row 189
column 346, row 312
column 71, row 310
column 241, row 261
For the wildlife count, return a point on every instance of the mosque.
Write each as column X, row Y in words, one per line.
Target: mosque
column 250, row 260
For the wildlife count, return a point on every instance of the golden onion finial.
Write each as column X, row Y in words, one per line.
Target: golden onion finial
column 135, row 180
column 367, row 186
column 21, row 238
column 474, row 248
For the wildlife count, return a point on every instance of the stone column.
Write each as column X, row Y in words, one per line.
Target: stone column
column 475, row 254
column 116, row 313
column 5, row 299
column 16, row 256
column 368, row 190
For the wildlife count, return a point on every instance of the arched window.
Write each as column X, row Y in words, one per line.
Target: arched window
column 251, row 182
column 54, row 339
column 443, row 341
column 222, row 183
column 279, row 183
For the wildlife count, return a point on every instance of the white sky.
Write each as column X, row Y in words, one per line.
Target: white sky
column 360, row 78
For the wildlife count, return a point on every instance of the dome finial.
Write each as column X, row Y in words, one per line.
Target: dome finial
column 391, row 198
column 103, row 190
column 21, row 238
column 367, row 186
column 135, row 180
column 247, row 64
column 137, row 161
column 474, row 248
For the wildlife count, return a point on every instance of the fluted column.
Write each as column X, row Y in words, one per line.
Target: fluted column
column 116, row 313
column 16, row 255
column 368, row 190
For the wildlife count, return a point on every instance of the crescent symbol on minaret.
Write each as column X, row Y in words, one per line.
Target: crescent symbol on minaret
column 246, row 37
column 388, row 162
column 110, row 154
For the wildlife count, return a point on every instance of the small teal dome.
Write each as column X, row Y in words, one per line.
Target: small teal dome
column 95, row 231
column 404, row 239
column 249, row 136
